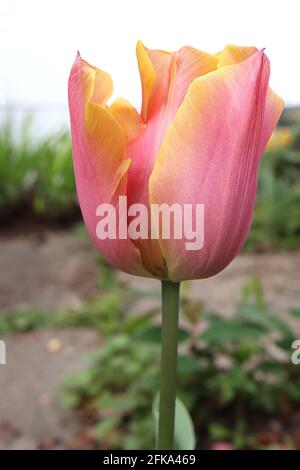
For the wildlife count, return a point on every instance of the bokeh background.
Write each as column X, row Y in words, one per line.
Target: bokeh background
column 82, row 339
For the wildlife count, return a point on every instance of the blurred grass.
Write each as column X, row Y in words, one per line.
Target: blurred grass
column 36, row 174
column 276, row 222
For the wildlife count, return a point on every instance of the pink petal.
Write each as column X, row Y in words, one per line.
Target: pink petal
column 210, row 155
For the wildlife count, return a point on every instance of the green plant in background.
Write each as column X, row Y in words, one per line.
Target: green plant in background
column 87, row 314
column 236, row 366
column 36, row 173
column 119, row 386
column 276, row 221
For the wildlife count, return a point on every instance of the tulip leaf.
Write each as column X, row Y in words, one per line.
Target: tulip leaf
column 184, row 434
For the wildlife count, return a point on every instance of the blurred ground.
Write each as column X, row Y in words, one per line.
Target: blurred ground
column 54, row 269
column 57, row 269
column 278, row 273
column 47, row 269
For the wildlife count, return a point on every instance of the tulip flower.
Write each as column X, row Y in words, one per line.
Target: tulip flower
column 204, row 123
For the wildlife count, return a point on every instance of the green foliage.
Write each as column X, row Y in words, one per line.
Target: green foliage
column 37, row 174
column 237, row 368
column 246, row 369
column 120, row 384
column 276, row 221
column 103, row 313
column 22, row 319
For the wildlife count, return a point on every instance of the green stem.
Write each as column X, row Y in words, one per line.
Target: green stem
column 167, row 400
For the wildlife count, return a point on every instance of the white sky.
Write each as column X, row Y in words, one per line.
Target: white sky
column 39, row 40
